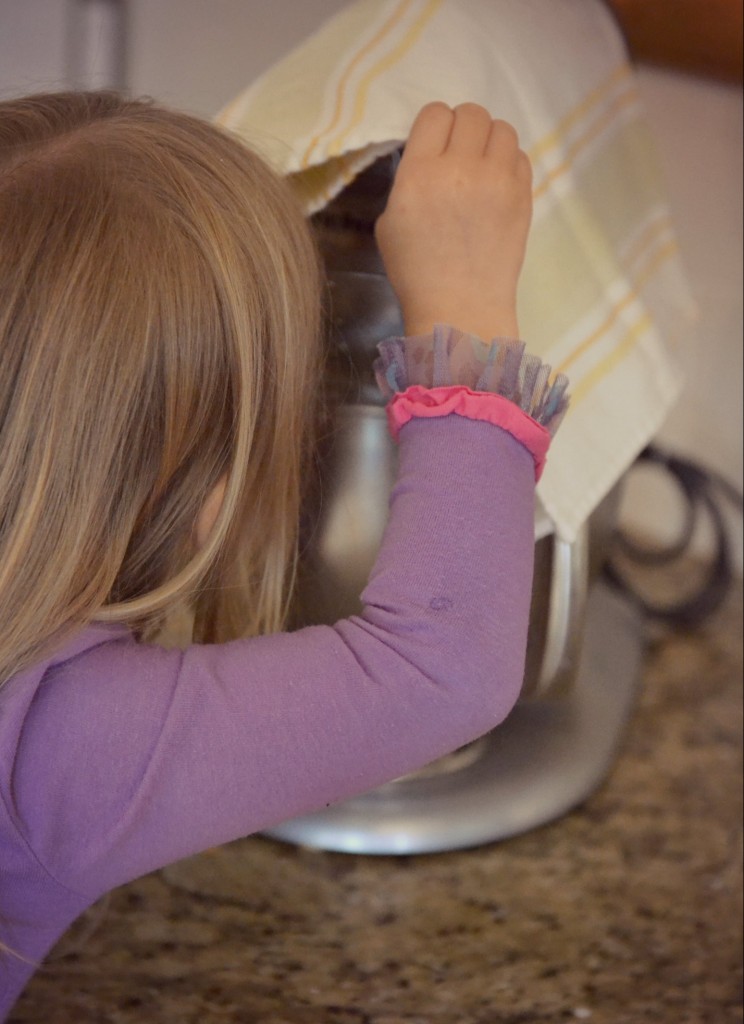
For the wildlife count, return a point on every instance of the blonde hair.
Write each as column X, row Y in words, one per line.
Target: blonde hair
column 159, row 330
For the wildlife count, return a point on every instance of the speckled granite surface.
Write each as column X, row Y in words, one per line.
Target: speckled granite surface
column 627, row 910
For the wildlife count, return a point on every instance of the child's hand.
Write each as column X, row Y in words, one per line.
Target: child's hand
column 455, row 228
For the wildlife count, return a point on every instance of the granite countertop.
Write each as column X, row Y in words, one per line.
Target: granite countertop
column 624, row 911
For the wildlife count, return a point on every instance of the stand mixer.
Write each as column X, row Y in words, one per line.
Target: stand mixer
column 584, row 645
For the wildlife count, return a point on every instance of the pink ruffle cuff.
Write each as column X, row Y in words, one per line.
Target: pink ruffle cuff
column 452, row 372
column 420, row 402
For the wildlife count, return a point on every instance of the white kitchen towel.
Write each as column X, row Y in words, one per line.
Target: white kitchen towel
column 603, row 296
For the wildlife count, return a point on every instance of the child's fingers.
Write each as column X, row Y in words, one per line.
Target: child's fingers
column 430, row 132
column 502, row 139
column 471, row 129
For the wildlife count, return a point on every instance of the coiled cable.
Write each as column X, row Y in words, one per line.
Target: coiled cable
column 704, row 492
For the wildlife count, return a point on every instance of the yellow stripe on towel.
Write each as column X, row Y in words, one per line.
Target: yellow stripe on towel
column 592, row 131
column 625, row 346
column 336, row 147
column 665, row 253
column 343, row 81
column 590, row 100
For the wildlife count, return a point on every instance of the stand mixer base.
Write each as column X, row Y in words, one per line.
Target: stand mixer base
column 547, row 757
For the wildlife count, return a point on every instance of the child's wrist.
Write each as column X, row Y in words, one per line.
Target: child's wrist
column 503, row 325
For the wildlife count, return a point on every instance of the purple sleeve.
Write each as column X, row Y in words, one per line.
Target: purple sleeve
column 133, row 756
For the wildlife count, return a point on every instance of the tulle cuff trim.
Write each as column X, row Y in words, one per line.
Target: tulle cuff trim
column 420, row 402
column 450, row 357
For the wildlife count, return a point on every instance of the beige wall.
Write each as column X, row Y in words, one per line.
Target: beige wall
column 698, row 129
column 197, row 54
column 193, row 54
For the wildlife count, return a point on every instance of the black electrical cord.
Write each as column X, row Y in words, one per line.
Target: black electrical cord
column 703, row 491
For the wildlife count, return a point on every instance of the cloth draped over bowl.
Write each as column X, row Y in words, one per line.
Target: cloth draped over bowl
column 603, row 296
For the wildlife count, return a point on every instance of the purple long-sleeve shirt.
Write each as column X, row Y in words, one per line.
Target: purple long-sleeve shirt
column 117, row 758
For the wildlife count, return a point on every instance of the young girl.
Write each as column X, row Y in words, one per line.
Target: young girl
column 159, row 324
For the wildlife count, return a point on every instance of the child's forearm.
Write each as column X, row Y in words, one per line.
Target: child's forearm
column 197, row 749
